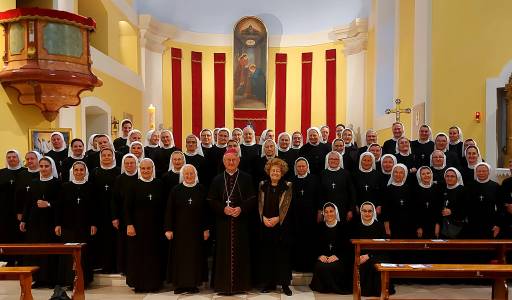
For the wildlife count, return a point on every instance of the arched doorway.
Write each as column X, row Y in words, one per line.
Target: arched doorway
column 96, row 115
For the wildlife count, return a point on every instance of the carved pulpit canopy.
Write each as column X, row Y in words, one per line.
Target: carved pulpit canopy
column 47, row 57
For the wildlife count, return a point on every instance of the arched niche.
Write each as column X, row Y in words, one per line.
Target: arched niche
column 96, row 116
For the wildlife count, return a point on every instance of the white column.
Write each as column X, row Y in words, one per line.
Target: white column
column 67, row 116
column 66, row 5
column 356, row 86
column 152, row 36
column 355, row 40
column 423, row 54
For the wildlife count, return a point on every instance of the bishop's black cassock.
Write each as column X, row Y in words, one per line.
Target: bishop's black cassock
column 232, row 267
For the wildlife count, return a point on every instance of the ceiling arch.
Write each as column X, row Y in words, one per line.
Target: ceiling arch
column 280, row 16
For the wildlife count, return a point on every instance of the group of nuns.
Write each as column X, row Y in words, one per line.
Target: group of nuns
column 139, row 202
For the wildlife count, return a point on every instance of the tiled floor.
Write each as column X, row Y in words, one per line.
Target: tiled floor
column 9, row 290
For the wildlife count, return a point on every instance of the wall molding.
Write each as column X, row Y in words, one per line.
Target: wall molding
column 354, row 36
column 355, row 33
column 110, row 66
column 491, row 107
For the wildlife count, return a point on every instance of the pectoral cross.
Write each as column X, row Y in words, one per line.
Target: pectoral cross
column 423, row 156
column 397, row 110
column 481, row 198
column 427, row 204
column 150, row 197
column 401, row 202
column 11, row 181
column 190, row 201
column 302, row 192
column 27, row 187
column 446, row 203
column 78, row 200
column 366, row 187
column 333, row 185
column 330, row 247
column 106, row 187
column 228, row 202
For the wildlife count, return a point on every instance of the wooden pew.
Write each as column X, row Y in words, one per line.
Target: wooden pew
column 51, row 249
column 499, row 274
column 24, row 275
column 500, row 247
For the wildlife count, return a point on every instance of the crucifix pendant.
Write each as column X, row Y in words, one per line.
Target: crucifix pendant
column 228, row 202
column 189, row 201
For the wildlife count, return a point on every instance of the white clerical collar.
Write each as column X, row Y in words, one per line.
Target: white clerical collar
column 154, row 146
column 78, row 181
column 231, row 173
column 302, row 176
column 33, row 171
column 206, row 146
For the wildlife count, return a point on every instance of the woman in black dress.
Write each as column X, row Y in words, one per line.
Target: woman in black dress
column 274, row 200
column 367, row 181
column 76, row 153
column 332, row 269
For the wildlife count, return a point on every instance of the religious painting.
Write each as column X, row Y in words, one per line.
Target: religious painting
column 40, row 139
column 250, row 64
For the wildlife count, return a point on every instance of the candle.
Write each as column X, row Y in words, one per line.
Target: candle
column 151, row 113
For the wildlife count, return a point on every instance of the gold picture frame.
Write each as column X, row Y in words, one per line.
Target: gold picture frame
column 39, row 139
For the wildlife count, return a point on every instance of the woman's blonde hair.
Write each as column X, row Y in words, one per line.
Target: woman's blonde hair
column 276, row 162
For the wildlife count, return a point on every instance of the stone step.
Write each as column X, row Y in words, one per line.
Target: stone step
column 298, row 279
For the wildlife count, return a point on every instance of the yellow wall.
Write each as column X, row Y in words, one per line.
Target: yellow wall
column 293, row 85
column 469, row 44
column 17, row 119
column 115, row 35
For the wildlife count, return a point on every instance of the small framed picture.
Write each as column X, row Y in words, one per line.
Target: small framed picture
column 40, row 139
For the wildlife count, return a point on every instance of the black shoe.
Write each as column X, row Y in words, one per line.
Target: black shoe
column 179, row 291
column 193, row 290
column 267, row 289
column 286, row 290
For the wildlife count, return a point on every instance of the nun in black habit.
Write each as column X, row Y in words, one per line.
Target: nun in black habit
column 370, row 228
column 398, row 204
column 76, row 219
column 423, row 146
column 332, row 271
column 367, row 181
column 286, row 153
column 314, row 151
column 336, row 186
column 438, row 166
column 427, row 201
column 483, row 218
column 104, row 246
column 304, row 207
column 59, row 150
column 9, row 226
column 38, row 220
column 194, row 155
column 76, row 153
column 171, row 178
column 23, row 180
column 144, row 209
column 122, row 184
column 187, row 224
column 452, row 216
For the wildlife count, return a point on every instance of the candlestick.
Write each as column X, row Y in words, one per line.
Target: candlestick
column 151, row 114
